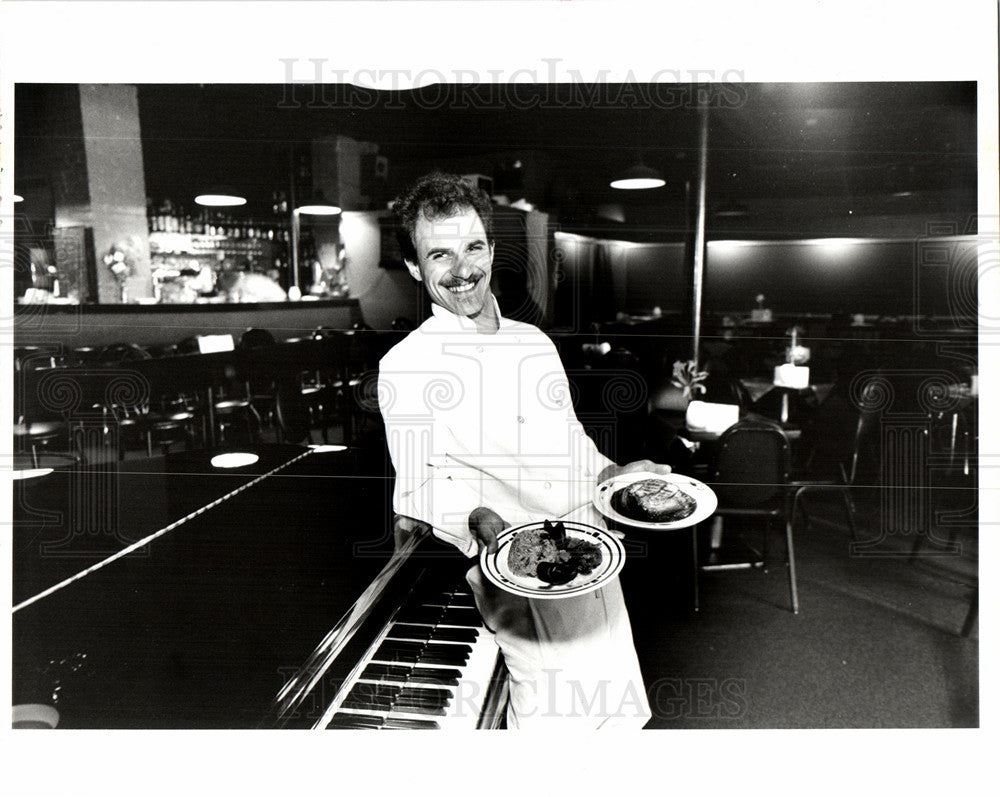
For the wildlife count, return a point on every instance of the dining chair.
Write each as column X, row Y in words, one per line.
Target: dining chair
column 234, row 411
column 141, row 423
column 840, row 452
column 41, row 420
column 292, row 414
column 751, row 481
column 261, row 373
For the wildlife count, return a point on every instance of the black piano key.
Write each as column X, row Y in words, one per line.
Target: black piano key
column 421, row 614
column 344, row 721
column 446, row 655
column 430, row 697
column 371, row 696
column 409, row 724
column 397, row 657
column 396, row 652
column 374, row 690
column 461, row 615
column 426, row 633
column 462, row 599
column 435, row 711
column 441, row 615
column 446, row 660
column 410, row 631
column 368, row 703
column 386, row 672
column 451, row 655
column 442, row 596
column 446, row 647
column 445, row 676
column 401, row 644
column 440, row 634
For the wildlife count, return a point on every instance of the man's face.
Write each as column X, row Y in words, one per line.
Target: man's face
column 454, row 261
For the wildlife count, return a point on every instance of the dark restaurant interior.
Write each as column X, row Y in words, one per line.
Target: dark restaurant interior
column 202, row 521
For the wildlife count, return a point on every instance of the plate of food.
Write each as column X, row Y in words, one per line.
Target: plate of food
column 553, row 559
column 656, row 501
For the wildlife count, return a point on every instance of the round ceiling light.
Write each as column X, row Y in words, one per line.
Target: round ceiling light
column 637, row 178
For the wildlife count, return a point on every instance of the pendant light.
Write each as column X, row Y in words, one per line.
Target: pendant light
column 317, row 205
column 638, row 177
column 220, row 196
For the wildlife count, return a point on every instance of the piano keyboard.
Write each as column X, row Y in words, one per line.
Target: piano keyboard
column 434, row 666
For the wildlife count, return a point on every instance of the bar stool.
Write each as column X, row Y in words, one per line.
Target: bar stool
column 177, row 423
column 347, row 374
column 234, row 408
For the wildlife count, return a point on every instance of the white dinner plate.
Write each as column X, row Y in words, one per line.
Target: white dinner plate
column 612, row 560
column 705, row 498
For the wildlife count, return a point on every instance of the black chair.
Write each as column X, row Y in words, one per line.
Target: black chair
column 261, row 379
column 255, row 338
column 751, row 481
column 235, row 413
column 350, row 356
column 42, row 428
column 174, row 422
column 839, row 452
column 292, row 413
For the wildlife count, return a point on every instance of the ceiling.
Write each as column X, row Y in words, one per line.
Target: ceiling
column 783, row 159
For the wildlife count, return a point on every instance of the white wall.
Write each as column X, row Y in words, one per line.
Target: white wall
column 384, row 294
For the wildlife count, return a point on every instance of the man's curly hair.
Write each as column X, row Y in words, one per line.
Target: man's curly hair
column 438, row 196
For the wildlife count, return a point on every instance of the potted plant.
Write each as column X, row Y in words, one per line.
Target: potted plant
column 688, row 378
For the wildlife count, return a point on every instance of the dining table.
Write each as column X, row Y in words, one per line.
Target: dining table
column 815, row 394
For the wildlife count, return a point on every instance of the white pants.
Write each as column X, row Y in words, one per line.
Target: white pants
column 571, row 660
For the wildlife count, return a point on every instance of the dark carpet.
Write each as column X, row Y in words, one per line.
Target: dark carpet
column 877, row 642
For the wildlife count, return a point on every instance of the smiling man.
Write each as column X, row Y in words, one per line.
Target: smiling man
column 482, row 435
column 454, row 260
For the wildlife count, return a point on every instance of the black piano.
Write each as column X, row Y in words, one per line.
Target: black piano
column 171, row 593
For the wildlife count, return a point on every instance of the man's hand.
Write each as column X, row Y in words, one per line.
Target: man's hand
column 485, row 524
column 612, row 471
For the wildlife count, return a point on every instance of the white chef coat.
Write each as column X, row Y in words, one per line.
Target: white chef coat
column 487, row 420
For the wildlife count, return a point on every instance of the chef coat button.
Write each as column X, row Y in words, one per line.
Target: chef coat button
column 520, row 419
column 548, row 485
column 479, row 349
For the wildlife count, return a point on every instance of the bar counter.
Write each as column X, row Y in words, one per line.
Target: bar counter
column 76, row 325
